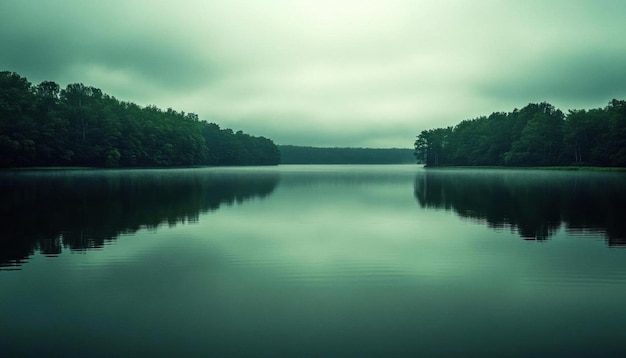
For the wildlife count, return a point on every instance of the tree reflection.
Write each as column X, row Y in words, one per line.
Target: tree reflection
column 82, row 210
column 535, row 204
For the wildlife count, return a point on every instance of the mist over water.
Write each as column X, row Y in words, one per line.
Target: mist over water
column 312, row 260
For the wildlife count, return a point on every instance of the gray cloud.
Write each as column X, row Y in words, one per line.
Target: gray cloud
column 357, row 73
column 567, row 80
column 74, row 41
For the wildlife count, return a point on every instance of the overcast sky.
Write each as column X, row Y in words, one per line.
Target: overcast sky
column 322, row 72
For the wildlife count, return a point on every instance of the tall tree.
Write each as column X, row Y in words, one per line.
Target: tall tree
column 537, row 135
column 80, row 125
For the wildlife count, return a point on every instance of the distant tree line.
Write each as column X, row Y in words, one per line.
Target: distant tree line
column 536, row 135
column 45, row 125
column 291, row 154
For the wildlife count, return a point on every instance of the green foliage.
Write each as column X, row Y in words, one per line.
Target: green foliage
column 44, row 125
column 536, row 135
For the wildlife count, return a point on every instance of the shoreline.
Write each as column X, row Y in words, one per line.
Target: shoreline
column 556, row 168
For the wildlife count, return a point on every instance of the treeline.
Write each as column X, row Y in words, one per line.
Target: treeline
column 536, row 135
column 45, row 125
column 291, row 154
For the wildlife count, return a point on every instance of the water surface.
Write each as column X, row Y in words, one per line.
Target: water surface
column 312, row 260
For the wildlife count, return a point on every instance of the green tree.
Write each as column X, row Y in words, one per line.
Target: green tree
column 540, row 142
column 80, row 125
column 431, row 146
column 616, row 111
column 18, row 130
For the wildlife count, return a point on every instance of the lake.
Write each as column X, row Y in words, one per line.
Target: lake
column 312, row 261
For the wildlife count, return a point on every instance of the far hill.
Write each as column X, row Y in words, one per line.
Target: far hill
column 291, row 154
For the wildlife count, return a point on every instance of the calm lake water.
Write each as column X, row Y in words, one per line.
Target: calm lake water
column 312, row 261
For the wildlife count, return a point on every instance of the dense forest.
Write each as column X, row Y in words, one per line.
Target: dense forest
column 536, row 135
column 44, row 125
column 291, row 154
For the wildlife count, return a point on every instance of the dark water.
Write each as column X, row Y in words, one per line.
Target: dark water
column 313, row 261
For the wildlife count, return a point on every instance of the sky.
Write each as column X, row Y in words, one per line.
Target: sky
column 326, row 73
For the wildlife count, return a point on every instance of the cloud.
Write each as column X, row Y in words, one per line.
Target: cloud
column 567, row 80
column 73, row 39
column 326, row 72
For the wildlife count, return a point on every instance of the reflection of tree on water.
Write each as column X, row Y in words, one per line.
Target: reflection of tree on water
column 533, row 203
column 46, row 212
